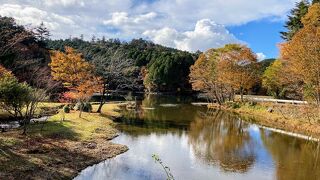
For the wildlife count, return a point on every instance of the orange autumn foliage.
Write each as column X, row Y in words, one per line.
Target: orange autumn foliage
column 237, row 67
column 301, row 55
column 75, row 73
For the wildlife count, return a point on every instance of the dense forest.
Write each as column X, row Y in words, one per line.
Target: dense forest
column 138, row 65
column 134, row 65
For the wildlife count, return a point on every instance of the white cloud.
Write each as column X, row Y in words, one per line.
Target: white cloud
column 165, row 36
column 65, row 2
column 123, row 21
column 261, row 56
column 33, row 16
column 205, row 35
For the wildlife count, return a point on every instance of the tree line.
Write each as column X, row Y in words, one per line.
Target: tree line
column 223, row 72
column 34, row 68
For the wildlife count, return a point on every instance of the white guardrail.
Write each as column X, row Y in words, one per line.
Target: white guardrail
column 276, row 100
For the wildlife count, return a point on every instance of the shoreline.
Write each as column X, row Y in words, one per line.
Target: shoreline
column 63, row 149
column 290, row 121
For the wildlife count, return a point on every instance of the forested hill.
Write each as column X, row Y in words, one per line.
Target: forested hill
column 134, row 65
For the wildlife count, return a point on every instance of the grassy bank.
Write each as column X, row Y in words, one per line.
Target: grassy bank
column 300, row 119
column 61, row 149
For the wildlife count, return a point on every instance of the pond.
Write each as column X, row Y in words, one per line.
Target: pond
column 198, row 143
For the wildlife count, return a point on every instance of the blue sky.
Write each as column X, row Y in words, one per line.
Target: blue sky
column 261, row 36
column 183, row 24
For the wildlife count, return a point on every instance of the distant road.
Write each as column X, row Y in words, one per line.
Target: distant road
column 271, row 99
column 259, row 99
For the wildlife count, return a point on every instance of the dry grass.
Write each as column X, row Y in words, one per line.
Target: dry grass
column 62, row 149
column 294, row 118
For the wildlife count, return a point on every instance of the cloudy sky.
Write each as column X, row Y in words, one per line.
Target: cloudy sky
column 184, row 24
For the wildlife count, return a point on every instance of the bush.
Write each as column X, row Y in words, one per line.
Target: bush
column 66, row 109
column 252, row 103
column 78, row 106
column 86, row 107
column 233, row 105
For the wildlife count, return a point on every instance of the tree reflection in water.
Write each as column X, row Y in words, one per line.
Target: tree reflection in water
column 222, row 138
column 294, row 158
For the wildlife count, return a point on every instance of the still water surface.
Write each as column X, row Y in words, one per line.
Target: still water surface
column 197, row 143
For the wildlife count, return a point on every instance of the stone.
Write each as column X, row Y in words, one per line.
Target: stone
column 92, row 145
column 270, row 110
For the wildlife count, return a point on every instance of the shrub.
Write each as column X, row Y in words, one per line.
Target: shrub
column 78, row 106
column 66, row 109
column 233, row 105
column 87, row 107
column 252, row 103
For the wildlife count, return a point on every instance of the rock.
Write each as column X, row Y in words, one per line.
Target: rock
column 92, row 145
column 270, row 110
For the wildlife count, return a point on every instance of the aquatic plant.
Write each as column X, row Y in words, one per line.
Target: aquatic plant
column 165, row 168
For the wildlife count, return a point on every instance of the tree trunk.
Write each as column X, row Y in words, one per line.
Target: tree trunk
column 241, row 93
column 25, row 127
column 81, row 109
column 102, row 98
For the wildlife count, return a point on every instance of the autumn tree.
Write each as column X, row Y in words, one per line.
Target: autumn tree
column 312, row 18
column 76, row 74
column 302, row 56
column 271, row 80
column 237, row 67
column 204, row 78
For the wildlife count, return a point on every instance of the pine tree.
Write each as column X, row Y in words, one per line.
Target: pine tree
column 294, row 23
column 42, row 32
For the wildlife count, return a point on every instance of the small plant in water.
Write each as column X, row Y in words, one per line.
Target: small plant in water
column 165, row 168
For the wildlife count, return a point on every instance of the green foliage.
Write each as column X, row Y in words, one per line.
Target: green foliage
column 294, row 24
column 13, row 95
column 169, row 72
column 66, row 109
column 264, row 64
column 121, row 62
column 233, row 105
column 78, row 106
column 85, row 107
column 271, row 80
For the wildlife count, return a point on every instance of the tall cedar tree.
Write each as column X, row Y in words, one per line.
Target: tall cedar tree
column 294, row 24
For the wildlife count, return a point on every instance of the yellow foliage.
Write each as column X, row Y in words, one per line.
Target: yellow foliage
column 313, row 16
column 75, row 73
column 302, row 57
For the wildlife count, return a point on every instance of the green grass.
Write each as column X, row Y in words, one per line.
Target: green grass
column 59, row 150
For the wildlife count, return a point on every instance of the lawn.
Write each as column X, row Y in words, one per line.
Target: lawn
column 62, row 148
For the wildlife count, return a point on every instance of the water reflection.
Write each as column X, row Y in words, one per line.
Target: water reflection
column 197, row 143
column 294, row 158
column 221, row 138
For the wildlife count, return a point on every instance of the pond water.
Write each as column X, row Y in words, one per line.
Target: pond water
column 197, row 143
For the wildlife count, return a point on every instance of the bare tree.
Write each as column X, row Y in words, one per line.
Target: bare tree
column 119, row 73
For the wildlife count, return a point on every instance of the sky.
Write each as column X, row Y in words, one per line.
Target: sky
column 189, row 25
